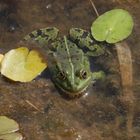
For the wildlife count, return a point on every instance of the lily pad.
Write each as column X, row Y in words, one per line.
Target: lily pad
column 1, row 57
column 11, row 136
column 22, row 65
column 113, row 26
column 7, row 125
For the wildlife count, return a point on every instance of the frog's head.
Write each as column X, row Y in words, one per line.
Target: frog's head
column 72, row 81
column 70, row 67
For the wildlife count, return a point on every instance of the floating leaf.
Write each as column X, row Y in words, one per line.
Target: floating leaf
column 22, row 65
column 113, row 26
column 1, row 57
column 7, row 125
column 11, row 136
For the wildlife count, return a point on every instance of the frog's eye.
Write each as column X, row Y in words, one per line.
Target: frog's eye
column 62, row 75
column 83, row 74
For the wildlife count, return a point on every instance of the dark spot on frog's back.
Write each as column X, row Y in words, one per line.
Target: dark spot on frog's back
column 85, row 34
column 39, row 32
column 31, row 35
column 95, row 49
column 77, row 30
column 77, row 51
column 49, row 29
column 77, row 40
column 45, row 36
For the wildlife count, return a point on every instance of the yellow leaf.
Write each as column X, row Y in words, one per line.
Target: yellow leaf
column 1, row 57
column 7, row 125
column 22, row 65
column 11, row 136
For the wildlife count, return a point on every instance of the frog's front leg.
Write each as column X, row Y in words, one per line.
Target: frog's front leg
column 83, row 39
column 100, row 75
column 42, row 36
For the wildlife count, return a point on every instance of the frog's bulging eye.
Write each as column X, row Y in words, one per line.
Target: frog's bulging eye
column 83, row 74
column 62, row 75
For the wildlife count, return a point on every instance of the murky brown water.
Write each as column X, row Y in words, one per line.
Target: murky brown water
column 102, row 115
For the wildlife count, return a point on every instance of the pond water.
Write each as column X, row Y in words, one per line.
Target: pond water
column 110, row 109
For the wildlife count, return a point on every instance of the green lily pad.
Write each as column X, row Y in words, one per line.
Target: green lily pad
column 11, row 136
column 22, row 65
column 7, row 125
column 113, row 26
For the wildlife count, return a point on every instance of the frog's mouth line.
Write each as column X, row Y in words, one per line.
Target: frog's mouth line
column 72, row 94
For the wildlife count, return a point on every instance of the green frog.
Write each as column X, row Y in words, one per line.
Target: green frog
column 68, row 58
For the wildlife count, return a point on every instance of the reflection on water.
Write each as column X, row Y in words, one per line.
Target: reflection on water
column 40, row 110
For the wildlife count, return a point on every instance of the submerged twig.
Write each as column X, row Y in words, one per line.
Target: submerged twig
column 94, row 8
column 32, row 105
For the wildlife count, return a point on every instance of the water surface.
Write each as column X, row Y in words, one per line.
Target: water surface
column 43, row 114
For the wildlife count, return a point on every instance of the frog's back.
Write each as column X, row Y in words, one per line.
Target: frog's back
column 68, row 55
column 42, row 36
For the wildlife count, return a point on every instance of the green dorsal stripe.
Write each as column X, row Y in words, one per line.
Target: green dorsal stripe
column 69, row 58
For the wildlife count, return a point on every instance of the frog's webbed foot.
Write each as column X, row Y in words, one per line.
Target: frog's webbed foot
column 100, row 75
column 42, row 36
column 85, row 40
